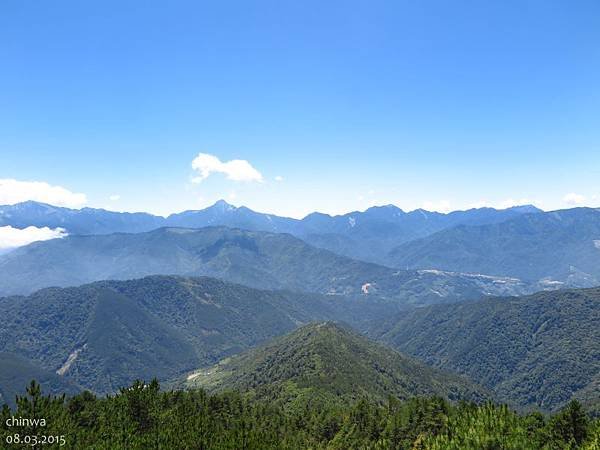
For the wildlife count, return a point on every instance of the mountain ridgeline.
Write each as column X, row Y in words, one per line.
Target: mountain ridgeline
column 549, row 249
column 76, row 221
column 364, row 235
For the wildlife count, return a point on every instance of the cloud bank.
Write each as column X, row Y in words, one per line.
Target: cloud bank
column 14, row 237
column 14, row 191
column 235, row 170
column 503, row 204
column 574, row 199
column 443, row 206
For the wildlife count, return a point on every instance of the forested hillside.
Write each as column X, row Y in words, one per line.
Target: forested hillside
column 326, row 362
column 104, row 335
column 535, row 351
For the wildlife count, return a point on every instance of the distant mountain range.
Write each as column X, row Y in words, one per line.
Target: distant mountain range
column 557, row 248
column 76, row 221
column 367, row 235
column 553, row 249
column 539, row 350
column 325, row 363
column 257, row 259
column 370, row 235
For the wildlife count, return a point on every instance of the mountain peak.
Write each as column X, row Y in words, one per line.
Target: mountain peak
column 387, row 208
column 525, row 208
column 32, row 206
column 33, row 203
column 328, row 359
column 222, row 205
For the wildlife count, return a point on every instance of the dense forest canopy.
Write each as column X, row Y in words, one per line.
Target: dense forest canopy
column 143, row 417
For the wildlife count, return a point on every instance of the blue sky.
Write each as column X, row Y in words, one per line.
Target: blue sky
column 436, row 104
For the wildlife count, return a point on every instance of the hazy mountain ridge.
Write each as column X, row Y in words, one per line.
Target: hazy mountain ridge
column 76, row 221
column 258, row 259
column 552, row 249
column 366, row 235
column 369, row 235
column 559, row 246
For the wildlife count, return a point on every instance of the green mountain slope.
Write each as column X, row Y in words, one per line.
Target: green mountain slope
column 327, row 362
column 257, row 259
column 559, row 246
column 104, row 335
column 539, row 350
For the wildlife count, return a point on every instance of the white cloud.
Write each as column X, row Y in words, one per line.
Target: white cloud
column 14, row 191
column 368, row 196
column 14, row 237
column 235, row 170
column 574, row 199
column 481, row 204
column 114, row 197
column 279, row 178
column 443, row 206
